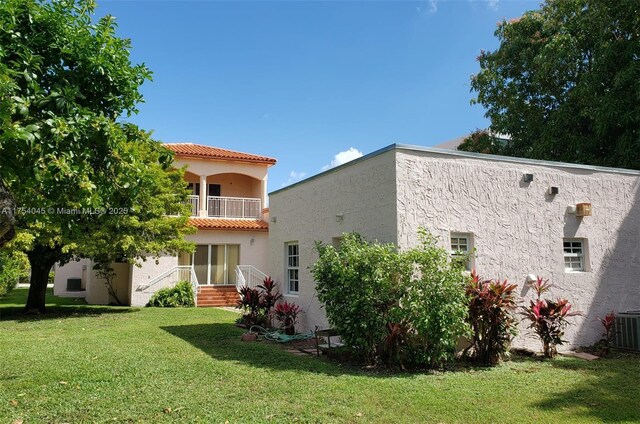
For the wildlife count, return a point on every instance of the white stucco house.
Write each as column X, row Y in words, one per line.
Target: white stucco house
column 229, row 198
column 577, row 225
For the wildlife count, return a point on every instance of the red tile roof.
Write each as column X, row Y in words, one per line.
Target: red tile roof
column 200, row 151
column 229, row 224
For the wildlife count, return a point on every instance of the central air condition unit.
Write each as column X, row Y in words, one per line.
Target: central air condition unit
column 627, row 330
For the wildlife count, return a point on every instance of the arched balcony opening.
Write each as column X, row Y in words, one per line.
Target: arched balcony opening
column 225, row 195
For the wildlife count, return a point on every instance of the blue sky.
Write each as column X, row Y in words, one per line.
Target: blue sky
column 303, row 81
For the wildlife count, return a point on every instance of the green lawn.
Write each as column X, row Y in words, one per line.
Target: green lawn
column 98, row 364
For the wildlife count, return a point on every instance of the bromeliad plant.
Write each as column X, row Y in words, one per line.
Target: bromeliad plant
column 287, row 314
column 257, row 303
column 548, row 317
column 491, row 307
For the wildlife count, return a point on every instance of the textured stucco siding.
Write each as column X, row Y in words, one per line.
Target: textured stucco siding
column 147, row 271
column 518, row 228
column 363, row 192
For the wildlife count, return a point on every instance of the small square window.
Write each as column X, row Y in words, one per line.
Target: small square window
column 574, row 255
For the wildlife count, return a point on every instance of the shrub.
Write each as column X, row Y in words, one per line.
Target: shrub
column 491, row 307
column 548, row 317
column 173, row 297
column 434, row 304
column 359, row 283
column 403, row 309
column 14, row 267
column 257, row 303
column 608, row 324
column 287, row 314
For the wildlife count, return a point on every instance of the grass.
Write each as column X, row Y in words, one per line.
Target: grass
column 96, row 364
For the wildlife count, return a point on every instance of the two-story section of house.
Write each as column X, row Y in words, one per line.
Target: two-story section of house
column 228, row 208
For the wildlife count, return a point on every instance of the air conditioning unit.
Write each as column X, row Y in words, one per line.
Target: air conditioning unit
column 627, row 330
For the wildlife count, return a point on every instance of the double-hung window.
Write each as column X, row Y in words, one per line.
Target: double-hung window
column 574, row 255
column 292, row 252
column 461, row 248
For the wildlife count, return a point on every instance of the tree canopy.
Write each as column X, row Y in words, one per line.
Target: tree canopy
column 85, row 183
column 564, row 83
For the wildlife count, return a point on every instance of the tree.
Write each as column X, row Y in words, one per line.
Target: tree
column 564, row 83
column 65, row 155
column 482, row 141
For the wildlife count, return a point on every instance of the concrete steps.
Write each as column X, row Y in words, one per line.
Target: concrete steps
column 217, row 296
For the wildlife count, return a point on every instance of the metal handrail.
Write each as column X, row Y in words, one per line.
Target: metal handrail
column 174, row 276
column 248, row 275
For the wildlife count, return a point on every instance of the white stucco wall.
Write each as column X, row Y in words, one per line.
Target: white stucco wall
column 73, row 269
column 97, row 293
column 146, row 271
column 363, row 192
column 518, row 228
column 212, row 167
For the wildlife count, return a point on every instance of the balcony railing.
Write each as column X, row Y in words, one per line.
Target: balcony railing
column 233, row 207
column 194, row 201
column 227, row 207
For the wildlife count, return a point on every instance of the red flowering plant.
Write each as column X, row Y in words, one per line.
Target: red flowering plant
column 608, row 323
column 287, row 314
column 491, row 307
column 257, row 303
column 269, row 297
column 548, row 317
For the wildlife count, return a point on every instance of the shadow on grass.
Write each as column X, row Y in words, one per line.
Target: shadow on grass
column 222, row 342
column 607, row 391
column 12, row 307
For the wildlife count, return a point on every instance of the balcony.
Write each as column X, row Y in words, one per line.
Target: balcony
column 233, row 207
column 227, row 207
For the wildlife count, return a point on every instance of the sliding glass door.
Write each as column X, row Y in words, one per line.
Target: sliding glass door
column 215, row 264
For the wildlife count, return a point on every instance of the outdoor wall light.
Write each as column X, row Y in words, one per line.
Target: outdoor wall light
column 274, row 219
column 339, row 217
column 583, row 209
column 553, row 191
column 527, row 178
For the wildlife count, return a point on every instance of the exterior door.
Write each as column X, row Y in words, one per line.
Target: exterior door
column 216, row 208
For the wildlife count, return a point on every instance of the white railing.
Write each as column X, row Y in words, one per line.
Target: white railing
column 250, row 276
column 233, row 207
column 170, row 278
column 194, row 201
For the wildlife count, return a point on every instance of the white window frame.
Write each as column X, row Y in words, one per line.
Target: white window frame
column 574, row 252
column 455, row 247
column 292, row 265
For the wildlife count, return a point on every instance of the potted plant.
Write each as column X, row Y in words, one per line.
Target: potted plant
column 287, row 314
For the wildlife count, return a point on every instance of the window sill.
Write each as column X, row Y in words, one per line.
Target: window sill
column 291, row 295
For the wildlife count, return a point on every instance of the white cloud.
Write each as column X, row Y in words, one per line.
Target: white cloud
column 294, row 177
column 493, row 4
column 432, row 6
column 343, row 157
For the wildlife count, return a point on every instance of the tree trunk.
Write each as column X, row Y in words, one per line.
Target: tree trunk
column 7, row 219
column 41, row 259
